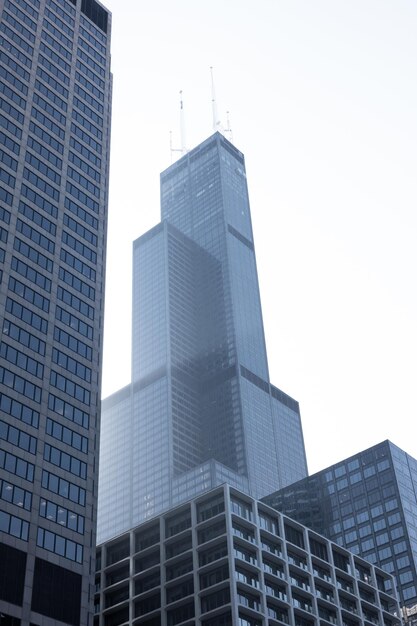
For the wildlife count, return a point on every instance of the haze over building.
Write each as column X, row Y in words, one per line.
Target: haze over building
column 200, row 409
column 55, row 86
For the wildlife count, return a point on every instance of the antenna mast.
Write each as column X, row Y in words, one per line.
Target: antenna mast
column 182, row 126
column 216, row 122
column 183, row 148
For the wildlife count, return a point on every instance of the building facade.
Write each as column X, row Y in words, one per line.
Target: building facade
column 367, row 503
column 55, row 90
column 224, row 559
column 200, row 409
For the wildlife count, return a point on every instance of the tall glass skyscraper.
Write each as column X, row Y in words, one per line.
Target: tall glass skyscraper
column 200, row 410
column 55, row 90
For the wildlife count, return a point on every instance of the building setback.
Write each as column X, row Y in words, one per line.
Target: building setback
column 224, row 559
column 200, row 409
column 55, row 90
column 368, row 504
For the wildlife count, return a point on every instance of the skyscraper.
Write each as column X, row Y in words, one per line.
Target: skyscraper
column 200, row 410
column 368, row 504
column 55, row 88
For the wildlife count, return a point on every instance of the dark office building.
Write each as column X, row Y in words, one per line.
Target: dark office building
column 55, row 91
column 200, row 410
column 367, row 503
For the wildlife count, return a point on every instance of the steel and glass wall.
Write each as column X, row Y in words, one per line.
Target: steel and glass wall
column 202, row 408
column 55, row 90
column 224, row 559
column 368, row 504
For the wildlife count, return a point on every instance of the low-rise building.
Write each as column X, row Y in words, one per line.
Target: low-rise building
column 225, row 559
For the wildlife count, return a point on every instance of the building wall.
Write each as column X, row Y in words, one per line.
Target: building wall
column 55, row 86
column 368, row 504
column 198, row 337
column 224, row 559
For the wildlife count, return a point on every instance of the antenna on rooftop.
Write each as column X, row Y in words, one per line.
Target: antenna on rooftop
column 183, row 148
column 216, row 122
column 217, row 125
column 228, row 130
column 182, row 126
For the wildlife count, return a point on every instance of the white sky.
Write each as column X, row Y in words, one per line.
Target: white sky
column 322, row 97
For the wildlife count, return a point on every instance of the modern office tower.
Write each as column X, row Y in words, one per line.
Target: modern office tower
column 200, row 410
column 367, row 503
column 55, row 95
column 224, row 559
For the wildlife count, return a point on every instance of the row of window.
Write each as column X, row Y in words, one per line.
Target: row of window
column 81, row 213
column 32, row 275
column 20, row 385
column 31, row 233
column 72, row 343
column 21, row 15
column 65, row 14
column 66, row 435
column 8, row 108
column 14, row 526
column 41, row 184
column 61, row 515
column 52, row 82
column 36, row 257
column 15, row 495
column 17, row 437
column 70, row 364
column 17, row 466
column 58, row 35
column 22, row 336
column 8, row 160
column 11, row 95
column 69, row 387
column 53, row 68
column 82, row 165
column 90, row 73
column 37, row 218
column 98, row 93
column 77, row 193
column 27, row 316
column 42, row 203
column 76, row 283
column 19, row 411
column 67, row 410
column 20, row 359
column 74, row 322
column 82, row 232
column 18, row 26
column 14, row 130
column 9, row 143
column 62, row 25
column 74, row 262
column 63, row 487
column 5, row 196
column 22, row 43
column 7, row 178
column 66, row 54
column 46, row 154
column 13, row 80
column 75, row 302
column 14, row 66
column 60, row 545
column 65, row 461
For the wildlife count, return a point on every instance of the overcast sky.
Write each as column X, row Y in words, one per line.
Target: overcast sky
column 323, row 99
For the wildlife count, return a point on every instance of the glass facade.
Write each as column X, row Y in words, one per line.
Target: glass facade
column 202, row 409
column 55, row 92
column 368, row 504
